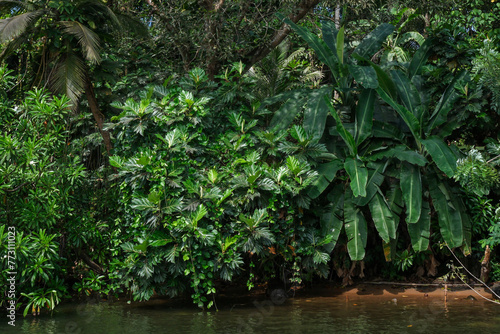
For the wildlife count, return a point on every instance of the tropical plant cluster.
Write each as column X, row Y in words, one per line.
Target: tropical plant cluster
column 319, row 143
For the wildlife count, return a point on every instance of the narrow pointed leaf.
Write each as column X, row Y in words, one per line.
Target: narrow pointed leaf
column 326, row 175
column 421, row 231
column 364, row 115
column 358, row 174
column 382, row 217
column 411, row 187
column 375, row 179
column 441, row 154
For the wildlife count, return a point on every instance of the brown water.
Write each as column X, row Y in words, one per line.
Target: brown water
column 338, row 314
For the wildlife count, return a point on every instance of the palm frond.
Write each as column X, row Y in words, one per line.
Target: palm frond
column 14, row 26
column 88, row 40
column 69, row 77
column 15, row 6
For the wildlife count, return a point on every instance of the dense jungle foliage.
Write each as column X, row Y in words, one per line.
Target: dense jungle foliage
column 179, row 147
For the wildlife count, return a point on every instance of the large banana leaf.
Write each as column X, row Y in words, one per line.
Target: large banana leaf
column 407, row 93
column 386, row 130
column 326, row 173
column 441, row 154
column 373, row 41
column 364, row 75
column 316, row 111
column 323, row 52
column 382, row 217
column 421, row 231
column 401, row 153
column 375, row 179
column 356, row 230
column 419, row 58
column 407, row 116
column 411, row 187
column 331, row 225
column 340, row 46
column 440, row 114
column 346, row 135
column 285, row 115
column 358, row 174
column 364, row 115
column 449, row 218
column 329, row 32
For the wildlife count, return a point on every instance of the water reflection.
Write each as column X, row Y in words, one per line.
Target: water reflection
column 300, row 315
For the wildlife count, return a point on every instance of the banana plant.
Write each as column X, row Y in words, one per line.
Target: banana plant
column 393, row 143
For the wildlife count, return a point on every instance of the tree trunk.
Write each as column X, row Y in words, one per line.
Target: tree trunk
column 337, row 17
column 96, row 112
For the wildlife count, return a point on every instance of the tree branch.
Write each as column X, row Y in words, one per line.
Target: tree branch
column 261, row 52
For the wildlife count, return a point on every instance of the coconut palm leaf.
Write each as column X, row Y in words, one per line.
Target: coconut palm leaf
column 88, row 40
column 14, row 26
column 14, row 6
column 69, row 77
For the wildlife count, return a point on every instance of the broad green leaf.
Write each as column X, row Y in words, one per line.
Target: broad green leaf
column 364, row 75
column 326, row 173
column 411, row 187
column 382, row 217
column 449, row 219
column 316, row 112
column 373, row 41
column 329, row 32
column 285, row 115
column 407, row 116
column 384, row 81
column 441, row 154
column 358, row 174
column 375, row 179
column 401, row 153
column 421, row 231
column 331, row 226
column 450, row 95
column 346, row 135
column 323, row 52
column 407, row 93
column 386, row 130
column 364, row 115
column 356, row 230
column 420, row 57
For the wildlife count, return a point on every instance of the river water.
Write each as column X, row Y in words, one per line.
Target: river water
column 333, row 314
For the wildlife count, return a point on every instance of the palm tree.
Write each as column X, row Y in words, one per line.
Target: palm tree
column 67, row 36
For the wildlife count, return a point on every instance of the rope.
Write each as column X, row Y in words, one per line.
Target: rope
column 467, row 270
